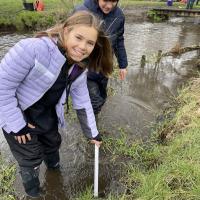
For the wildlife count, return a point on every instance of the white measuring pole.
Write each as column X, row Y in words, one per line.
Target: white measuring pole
column 96, row 171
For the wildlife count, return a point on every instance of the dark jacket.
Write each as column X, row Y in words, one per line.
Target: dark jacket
column 114, row 27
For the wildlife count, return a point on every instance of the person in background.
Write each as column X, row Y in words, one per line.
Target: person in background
column 169, row 2
column 36, row 76
column 113, row 22
column 39, row 5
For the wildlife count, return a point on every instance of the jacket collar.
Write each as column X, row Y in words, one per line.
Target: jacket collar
column 53, row 48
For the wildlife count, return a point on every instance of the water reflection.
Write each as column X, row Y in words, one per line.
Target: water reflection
column 145, row 92
column 147, row 38
column 54, row 185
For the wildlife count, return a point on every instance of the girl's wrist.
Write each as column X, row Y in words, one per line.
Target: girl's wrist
column 23, row 131
column 98, row 138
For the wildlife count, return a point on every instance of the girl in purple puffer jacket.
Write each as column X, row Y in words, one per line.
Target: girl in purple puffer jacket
column 36, row 77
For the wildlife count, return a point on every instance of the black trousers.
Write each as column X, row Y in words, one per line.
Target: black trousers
column 98, row 93
column 40, row 147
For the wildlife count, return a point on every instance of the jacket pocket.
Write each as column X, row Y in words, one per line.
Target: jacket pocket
column 40, row 71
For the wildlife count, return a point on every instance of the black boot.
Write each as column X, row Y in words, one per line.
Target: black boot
column 30, row 179
column 52, row 161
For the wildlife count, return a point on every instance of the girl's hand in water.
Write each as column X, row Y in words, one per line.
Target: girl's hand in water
column 23, row 138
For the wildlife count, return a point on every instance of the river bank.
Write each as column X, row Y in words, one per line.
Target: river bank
column 55, row 11
column 168, row 165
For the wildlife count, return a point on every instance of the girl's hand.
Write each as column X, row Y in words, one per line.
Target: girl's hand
column 23, row 138
column 122, row 74
column 98, row 143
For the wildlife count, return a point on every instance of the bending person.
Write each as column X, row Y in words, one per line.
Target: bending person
column 113, row 22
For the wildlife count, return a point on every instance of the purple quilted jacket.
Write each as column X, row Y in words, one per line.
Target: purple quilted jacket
column 27, row 71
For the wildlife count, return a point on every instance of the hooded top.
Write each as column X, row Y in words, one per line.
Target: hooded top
column 113, row 26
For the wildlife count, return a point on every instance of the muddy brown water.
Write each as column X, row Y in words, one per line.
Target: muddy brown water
column 132, row 106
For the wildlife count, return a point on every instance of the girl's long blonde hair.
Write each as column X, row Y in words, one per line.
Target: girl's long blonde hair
column 101, row 59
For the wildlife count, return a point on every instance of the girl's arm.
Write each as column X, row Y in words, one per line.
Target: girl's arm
column 119, row 49
column 13, row 69
column 82, row 104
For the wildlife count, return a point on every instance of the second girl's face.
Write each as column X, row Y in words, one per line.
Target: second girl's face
column 80, row 42
column 107, row 5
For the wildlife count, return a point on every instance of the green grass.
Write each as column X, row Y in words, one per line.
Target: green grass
column 21, row 20
column 141, row 3
column 86, row 195
column 163, row 171
column 55, row 11
column 177, row 174
column 13, row 6
column 7, row 177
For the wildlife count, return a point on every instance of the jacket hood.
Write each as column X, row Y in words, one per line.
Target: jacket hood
column 93, row 6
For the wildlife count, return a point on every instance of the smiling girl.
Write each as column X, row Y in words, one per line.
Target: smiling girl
column 36, row 76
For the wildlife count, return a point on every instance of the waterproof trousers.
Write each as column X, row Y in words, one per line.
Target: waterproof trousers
column 190, row 4
column 98, row 93
column 41, row 147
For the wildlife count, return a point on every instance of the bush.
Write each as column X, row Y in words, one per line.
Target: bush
column 33, row 21
column 153, row 16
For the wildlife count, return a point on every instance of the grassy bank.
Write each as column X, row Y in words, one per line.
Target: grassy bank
column 21, row 20
column 7, row 177
column 177, row 174
column 168, row 166
column 13, row 17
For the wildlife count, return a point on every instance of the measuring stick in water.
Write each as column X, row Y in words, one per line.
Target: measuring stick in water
column 96, row 170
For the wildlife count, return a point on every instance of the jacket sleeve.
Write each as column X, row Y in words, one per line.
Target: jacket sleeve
column 13, row 69
column 82, row 105
column 119, row 49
